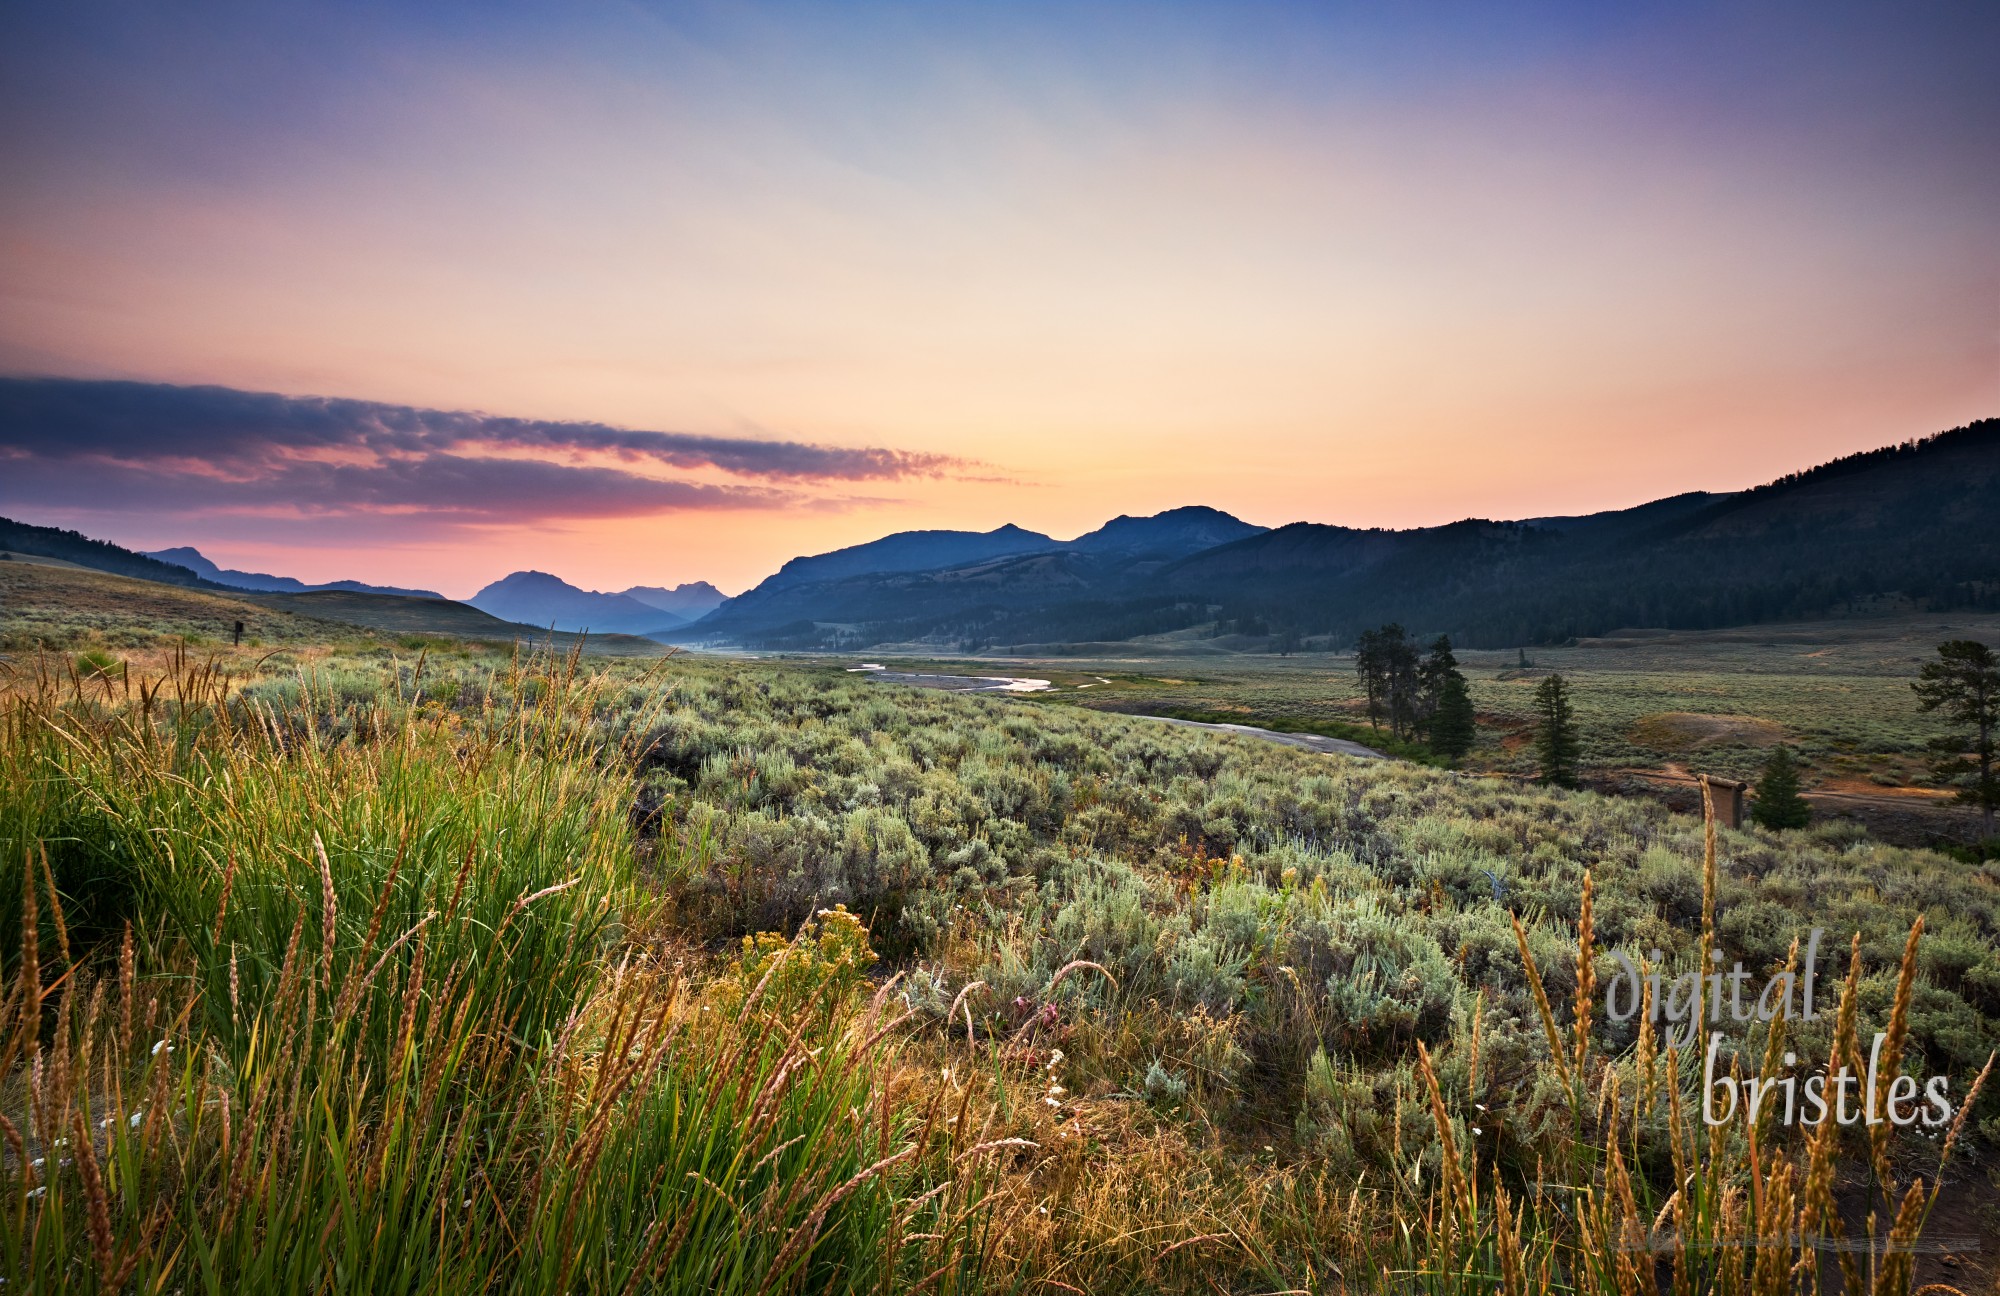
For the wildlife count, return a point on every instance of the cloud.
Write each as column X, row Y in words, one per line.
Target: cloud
column 92, row 444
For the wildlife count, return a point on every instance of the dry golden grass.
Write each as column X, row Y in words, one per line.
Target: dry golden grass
column 1686, row 730
column 66, row 607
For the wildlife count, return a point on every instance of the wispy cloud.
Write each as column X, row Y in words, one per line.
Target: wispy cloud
column 89, row 444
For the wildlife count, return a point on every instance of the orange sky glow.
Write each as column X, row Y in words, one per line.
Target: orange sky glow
column 1548, row 278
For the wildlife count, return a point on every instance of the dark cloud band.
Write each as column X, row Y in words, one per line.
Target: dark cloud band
column 100, row 444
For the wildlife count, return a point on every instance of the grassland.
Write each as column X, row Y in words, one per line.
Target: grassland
column 60, row 606
column 403, row 615
column 451, row 971
column 50, row 604
column 1675, row 703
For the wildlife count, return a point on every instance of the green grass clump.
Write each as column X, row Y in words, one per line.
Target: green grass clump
column 333, row 996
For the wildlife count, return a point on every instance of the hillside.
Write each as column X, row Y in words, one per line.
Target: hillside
column 56, row 605
column 52, row 604
column 903, row 552
column 100, row 555
column 1914, row 527
column 443, row 616
column 919, row 584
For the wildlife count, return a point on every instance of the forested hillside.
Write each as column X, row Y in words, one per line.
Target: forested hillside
column 1910, row 527
column 72, row 546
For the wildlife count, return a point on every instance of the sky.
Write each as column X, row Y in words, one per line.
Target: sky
column 647, row 293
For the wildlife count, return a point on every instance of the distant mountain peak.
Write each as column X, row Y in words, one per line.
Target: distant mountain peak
column 189, row 557
column 539, row 598
column 529, row 579
column 1172, row 533
column 691, row 599
column 907, row 551
column 264, row 583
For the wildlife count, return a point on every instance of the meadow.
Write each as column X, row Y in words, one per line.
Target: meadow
column 1667, row 702
column 363, row 967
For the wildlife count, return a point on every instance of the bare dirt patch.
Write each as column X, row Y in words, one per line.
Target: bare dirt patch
column 1686, row 730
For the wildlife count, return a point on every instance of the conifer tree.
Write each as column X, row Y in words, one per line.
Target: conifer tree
column 1778, row 803
column 1444, row 705
column 1556, row 741
column 1452, row 725
column 1368, row 665
column 1964, row 683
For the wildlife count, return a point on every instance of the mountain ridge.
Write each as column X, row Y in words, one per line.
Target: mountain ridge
column 541, row 599
column 688, row 600
column 98, row 555
column 1916, row 524
column 263, row 582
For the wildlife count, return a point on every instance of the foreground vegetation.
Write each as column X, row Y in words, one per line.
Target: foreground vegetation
column 389, row 970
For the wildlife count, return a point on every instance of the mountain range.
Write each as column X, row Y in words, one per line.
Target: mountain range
column 539, row 599
column 1914, row 526
column 1910, row 526
column 687, row 601
column 192, row 558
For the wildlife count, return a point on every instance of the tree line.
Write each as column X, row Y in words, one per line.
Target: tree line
column 1423, row 696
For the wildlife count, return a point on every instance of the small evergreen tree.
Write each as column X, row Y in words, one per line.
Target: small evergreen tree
column 1556, row 743
column 1444, row 702
column 1964, row 683
column 1452, row 725
column 1778, row 803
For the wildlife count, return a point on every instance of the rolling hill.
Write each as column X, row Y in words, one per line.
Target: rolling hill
column 54, row 604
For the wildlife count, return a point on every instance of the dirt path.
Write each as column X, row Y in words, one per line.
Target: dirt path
column 1901, row 816
column 1311, row 742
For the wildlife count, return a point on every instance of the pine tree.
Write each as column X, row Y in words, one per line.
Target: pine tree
column 1778, row 803
column 1439, row 666
column 1964, row 683
column 1387, row 662
column 1368, row 665
column 1556, row 741
column 1452, row 725
column 1444, row 702
column 1402, row 670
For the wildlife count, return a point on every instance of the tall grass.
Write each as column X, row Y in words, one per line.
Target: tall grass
column 336, row 995
column 1748, row 1208
column 389, row 975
